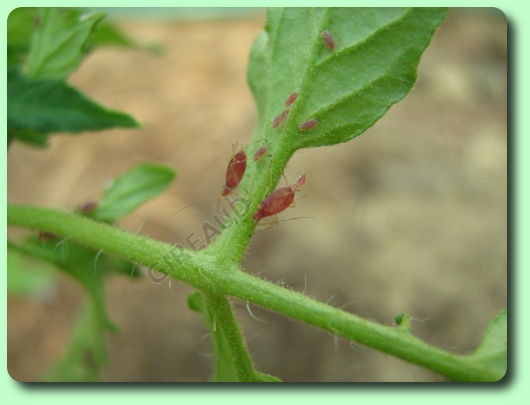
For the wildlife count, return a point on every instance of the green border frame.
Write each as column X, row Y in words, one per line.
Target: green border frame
column 511, row 390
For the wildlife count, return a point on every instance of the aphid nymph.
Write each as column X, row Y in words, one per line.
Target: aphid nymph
column 291, row 99
column 259, row 153
column 304, row 126
column 280, row 118
column 328, row 40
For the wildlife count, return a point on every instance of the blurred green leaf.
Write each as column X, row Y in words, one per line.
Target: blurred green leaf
column 27, row 276
column 132, row 189
column 50, row 105
column 20, row 26
column 493, row 351
column 87, row 351
column 347, row 88
column 30, row 136
column 58, row 43
column 80, row 262
column 108, row 34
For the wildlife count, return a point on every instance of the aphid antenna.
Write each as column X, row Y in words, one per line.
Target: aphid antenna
column 236, row 148
column 276, row 221
column 292, row 219
column 198, row 202
column 285, row 178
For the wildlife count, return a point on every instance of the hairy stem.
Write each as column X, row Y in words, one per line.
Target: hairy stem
column 212, row 275
column 225, row 327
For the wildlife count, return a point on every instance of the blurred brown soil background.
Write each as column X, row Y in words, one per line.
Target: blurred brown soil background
column 409, row 217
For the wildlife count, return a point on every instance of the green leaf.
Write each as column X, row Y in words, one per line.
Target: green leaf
column 27, row 276
column 133, row 189
column 108, row 34
column 20, row 26
column 348, row 88
column 58, row 43
column 31, row 137
column 50, row 105
column 82, row 263
column 87, row 351
column 493, row 349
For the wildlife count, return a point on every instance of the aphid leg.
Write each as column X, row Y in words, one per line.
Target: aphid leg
column 268, row 224
column 285, row 178
column 293, row 205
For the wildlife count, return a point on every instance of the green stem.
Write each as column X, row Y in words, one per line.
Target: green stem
column 212, row 275
column 225, row 327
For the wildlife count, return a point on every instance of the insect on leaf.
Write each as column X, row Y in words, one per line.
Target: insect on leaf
column 346, row 87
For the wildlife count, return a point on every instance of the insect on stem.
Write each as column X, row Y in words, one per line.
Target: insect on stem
column 235, row 171
column 259, row 153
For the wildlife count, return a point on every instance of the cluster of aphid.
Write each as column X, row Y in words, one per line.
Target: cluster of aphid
column 275, row 202
column 281, row 198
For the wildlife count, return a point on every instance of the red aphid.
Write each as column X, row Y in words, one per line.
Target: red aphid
column 304, row 126
column 280, row 118
column 235, row 171
column 278, row 200
column 87, row 207
column 328, row 39
column 259, row 153
column 291, row 99
column 46, row 236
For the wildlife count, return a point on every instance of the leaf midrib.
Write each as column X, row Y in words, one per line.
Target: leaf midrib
column 288, row 127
